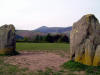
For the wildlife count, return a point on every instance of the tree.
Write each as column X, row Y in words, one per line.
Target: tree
column 56, row 37
column 36, row 39
column 25, row 39
column 49, row 38
column 63, row 38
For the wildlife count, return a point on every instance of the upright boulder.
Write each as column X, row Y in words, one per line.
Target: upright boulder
column 85, row 41
column 7, row 39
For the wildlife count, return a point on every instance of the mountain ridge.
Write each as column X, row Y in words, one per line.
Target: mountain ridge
column 45, row 29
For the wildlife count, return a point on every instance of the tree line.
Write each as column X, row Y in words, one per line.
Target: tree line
column 58, row 38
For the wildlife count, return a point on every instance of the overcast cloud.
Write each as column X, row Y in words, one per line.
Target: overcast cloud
column 31, row 14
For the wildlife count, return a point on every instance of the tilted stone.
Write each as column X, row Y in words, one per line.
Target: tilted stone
column 85, row 41
column 7, row 39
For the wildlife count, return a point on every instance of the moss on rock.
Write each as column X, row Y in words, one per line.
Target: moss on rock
column 7, row 39
column 84, row 43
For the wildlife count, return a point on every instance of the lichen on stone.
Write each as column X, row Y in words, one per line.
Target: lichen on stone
column 84, row 44
column 7, row 39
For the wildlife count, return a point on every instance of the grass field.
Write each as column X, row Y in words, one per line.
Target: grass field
column 68, row 68
column 42, row 46
column 7, row 69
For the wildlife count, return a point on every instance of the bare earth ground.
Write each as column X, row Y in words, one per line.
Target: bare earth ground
column 38, row 60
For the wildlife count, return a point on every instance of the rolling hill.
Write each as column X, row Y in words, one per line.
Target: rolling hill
column 43, row 31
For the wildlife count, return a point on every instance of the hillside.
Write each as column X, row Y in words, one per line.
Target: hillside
column 45, row 29
column 27, row 33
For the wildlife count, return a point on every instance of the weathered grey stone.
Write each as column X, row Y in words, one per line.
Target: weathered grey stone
column 85, row 39
column 96, row 60
column 7, row 39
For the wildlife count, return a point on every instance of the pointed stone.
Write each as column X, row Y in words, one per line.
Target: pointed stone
column 85, row 39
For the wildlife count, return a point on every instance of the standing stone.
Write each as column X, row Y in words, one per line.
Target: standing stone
column 7, row 39
column 85, row 41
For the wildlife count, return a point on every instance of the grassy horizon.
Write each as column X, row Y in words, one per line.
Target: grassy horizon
column 42, row 46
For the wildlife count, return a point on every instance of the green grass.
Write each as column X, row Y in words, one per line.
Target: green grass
column 49, row 72
column 42, row 46
column 75, row 66
column 68, row 68
column 7, row 69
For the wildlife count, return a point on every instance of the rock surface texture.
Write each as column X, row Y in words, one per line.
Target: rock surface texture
column 7, row 39
column 85, row 41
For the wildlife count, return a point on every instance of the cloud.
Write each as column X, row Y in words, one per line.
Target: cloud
column 30, row 14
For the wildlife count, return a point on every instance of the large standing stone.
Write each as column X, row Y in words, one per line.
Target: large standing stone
column 85, row 41
column 7, row 39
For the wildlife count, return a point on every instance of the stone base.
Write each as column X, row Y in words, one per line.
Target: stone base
column 8, row 51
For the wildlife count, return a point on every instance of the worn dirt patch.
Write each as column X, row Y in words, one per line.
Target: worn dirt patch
column 37, row 60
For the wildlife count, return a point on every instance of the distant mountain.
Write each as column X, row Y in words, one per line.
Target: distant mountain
column 42, row 31
column 45, row 29
column 27, row 33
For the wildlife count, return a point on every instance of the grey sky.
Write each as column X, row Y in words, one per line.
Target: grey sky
column 30, row 14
